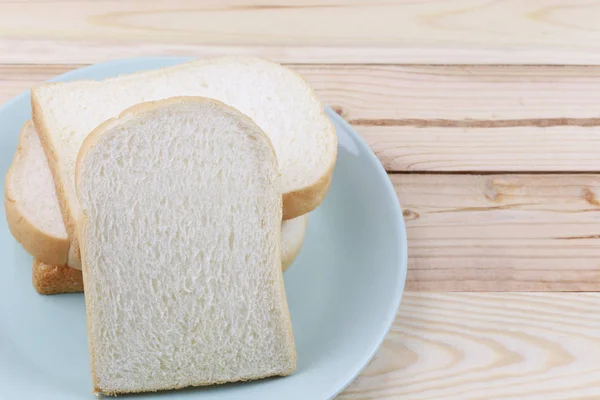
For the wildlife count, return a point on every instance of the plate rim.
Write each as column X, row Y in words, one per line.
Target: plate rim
column 397, row 216
column 402, row 249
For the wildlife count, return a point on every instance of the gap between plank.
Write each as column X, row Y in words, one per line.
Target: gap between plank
column 470, row 123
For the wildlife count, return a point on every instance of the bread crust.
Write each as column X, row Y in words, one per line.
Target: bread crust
column 43, row 246
column 52, row 279
column 303, row 201
column 98, row 390
column 73, row 256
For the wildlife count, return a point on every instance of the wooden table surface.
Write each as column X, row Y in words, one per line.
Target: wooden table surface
column 486, row 115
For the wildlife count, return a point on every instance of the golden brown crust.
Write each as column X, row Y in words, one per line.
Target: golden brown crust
column 302, row 201
column 74, row 258
column 52, row 279
column 50, row 249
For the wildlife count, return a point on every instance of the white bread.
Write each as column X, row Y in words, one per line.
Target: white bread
column 30, row 202
column 276, row 98
column 34, row 218
column 179, row 226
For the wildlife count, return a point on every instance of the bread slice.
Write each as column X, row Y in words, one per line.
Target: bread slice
column 30, row 202
column 34, row 219
column 276, row 98
column 54, row 279
column 179, row 226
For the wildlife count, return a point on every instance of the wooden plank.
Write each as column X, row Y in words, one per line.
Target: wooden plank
column 501, row 232
column 398, row 95
column 427, row 118
column 480, row 149
column 487, row 346
column 332, row 31
column 448, row 95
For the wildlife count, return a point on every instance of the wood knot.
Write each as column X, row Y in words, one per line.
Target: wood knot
column 588, row 195
column 490, row 191
column 338, row 110
column 409, row 214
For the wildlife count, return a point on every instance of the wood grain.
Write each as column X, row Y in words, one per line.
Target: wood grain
column 446, row 95
column 428, row 118
column 368, row 95
column 332, row 31
column 480, row 149
column 487, row 346
column 501, row 232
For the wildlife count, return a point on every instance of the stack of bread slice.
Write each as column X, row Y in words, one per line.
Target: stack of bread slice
column 34, row 219
column 175, row 197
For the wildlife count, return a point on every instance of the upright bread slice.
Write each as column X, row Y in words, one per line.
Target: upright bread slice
column 30, row 202
column 179, row 226
column 277, row 99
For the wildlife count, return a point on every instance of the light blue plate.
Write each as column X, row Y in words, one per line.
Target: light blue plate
column 343, row 289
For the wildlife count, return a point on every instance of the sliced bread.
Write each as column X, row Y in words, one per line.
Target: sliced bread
column 277, row 99
column 179, row 227
column 30, row 202
column 34, row 217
